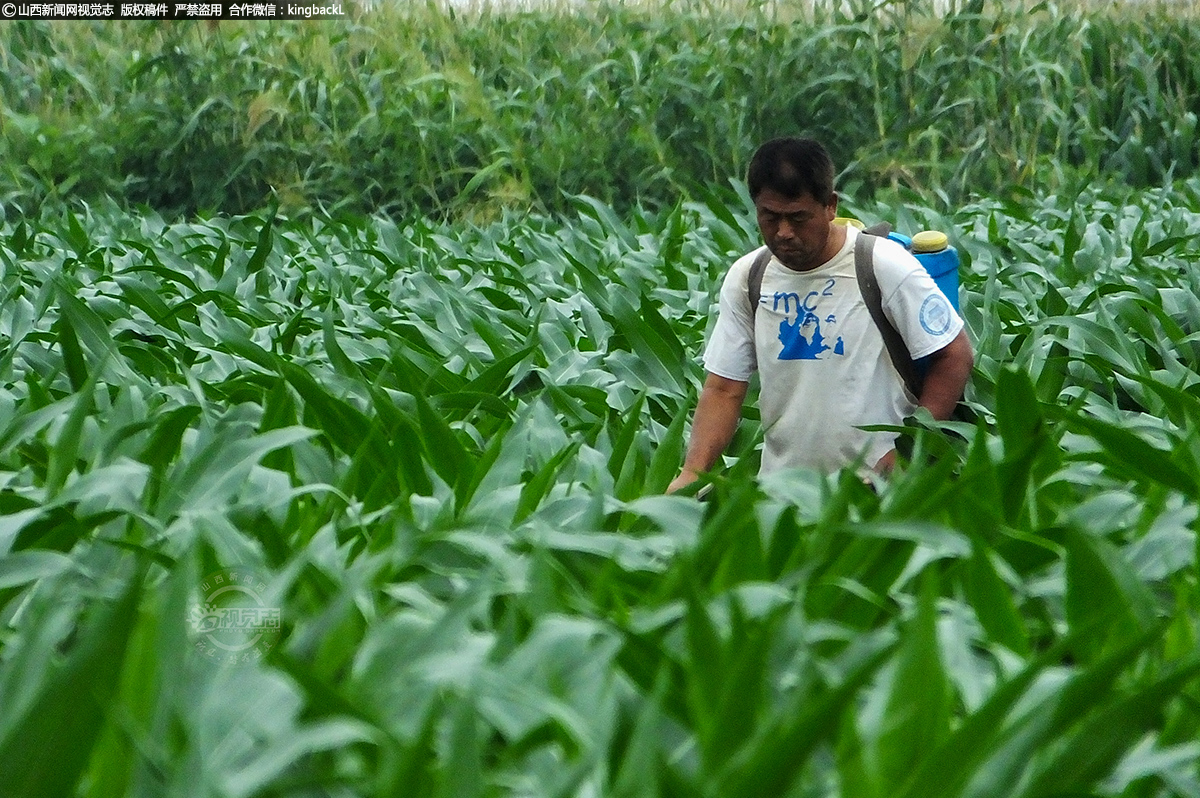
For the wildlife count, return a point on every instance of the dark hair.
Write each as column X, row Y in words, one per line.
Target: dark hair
column 793, row 167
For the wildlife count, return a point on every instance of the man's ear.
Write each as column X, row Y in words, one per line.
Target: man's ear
column 832, row 206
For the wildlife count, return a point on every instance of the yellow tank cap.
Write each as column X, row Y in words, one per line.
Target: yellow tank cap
column 846, row 220
column 929, row 241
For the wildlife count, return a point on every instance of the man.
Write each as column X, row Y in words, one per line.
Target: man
column 823, row 366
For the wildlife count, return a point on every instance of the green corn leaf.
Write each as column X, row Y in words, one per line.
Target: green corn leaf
column 916, row 719
column 76, row 236
column 46, row 751
column 271, row 765
column 66, row 447
column 704, row 666
column 72, row 353
column 1165, row 245
column 148, row 301
column 668, row 456
column 337, row 357
column 1018, row 414
column 492, row 379
column 745, row 677
column 768, row 763
column 164, row 443
column 219, row 472
column 23, row 567
column 1100, row 743
column 1008, row 756
column 264, row 245
column 854, row 777
column 623, row 443
column 993, row 603
column 1073, row 238
column 946, row 770
column 412, row 765
column 444, row 451
column 1131, row 454
column 591, row 283
column 660, row 353
column 393, row 449
column 1104, row 594
column 462, row 774
column 535, row 489
column 638, row 766
column 94, row 336
column 345, row 425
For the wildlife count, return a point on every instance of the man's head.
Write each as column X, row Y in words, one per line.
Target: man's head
column 791, row 183
column 792, row 167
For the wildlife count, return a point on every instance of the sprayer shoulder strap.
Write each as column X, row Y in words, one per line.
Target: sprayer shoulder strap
column 868, row 286
column 754, row 281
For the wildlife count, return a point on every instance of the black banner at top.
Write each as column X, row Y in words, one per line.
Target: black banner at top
column 170, row 10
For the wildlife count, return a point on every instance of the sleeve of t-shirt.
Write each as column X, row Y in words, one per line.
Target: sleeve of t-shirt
column 913, row 303
column 730, row 350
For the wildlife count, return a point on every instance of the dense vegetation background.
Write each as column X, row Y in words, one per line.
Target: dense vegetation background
column 401, row 316
column 414, row 109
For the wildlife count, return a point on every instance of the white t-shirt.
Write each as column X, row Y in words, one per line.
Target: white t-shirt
column 823, row 367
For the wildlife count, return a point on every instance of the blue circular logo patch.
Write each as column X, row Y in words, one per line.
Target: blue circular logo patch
column 935, row 314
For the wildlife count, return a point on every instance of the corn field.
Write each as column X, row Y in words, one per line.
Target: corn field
column 397, row 338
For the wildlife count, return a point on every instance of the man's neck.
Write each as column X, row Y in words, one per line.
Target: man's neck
column 837, row 240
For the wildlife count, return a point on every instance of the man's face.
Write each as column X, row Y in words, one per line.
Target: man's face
column 796, row 229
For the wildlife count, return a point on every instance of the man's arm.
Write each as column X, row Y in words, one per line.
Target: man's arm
column 949, row 369
column 716, row 419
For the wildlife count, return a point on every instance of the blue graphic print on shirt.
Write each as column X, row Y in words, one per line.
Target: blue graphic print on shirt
column 798, row 346
column 802, row 338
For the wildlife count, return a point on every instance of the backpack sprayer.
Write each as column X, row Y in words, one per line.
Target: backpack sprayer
column 930, row 247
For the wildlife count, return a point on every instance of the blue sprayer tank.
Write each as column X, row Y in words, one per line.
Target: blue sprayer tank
column 932, row 248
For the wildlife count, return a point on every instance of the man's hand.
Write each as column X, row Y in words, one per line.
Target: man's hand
column 685, row 478
column 886, row 463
